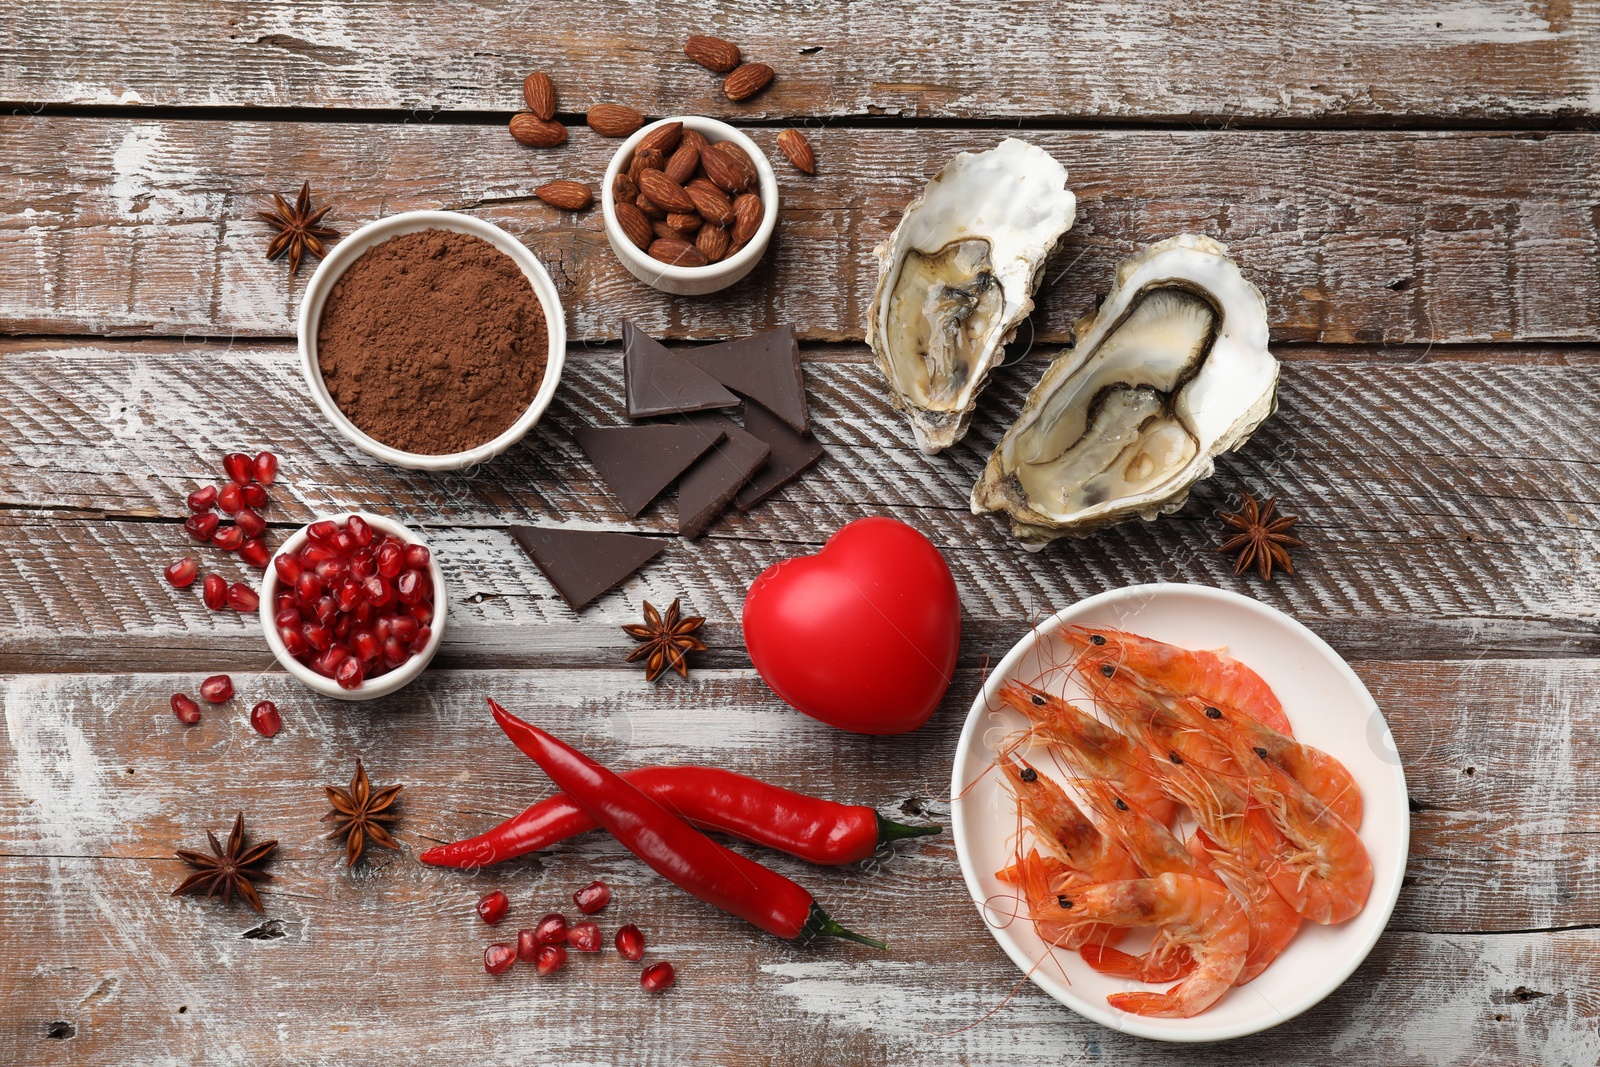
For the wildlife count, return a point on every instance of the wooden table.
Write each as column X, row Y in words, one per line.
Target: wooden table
column 1412, row 185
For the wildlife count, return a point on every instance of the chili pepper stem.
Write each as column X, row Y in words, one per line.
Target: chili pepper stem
column 820, row 924
column 889, row 830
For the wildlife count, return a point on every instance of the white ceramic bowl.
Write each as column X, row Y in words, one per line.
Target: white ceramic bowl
column 384, row 684
column 692, row 281
column 348, row 251
column 1328, row 707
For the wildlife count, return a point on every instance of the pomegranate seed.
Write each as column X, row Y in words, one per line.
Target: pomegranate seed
column 658, row 977
column 410, row 587
column 363, row 613
column 341, row 626
column 187, row 711
column 498, row 956
column 420, row 642
column 255, row 552
column 317, row 636
column 417, row 557
column 366, row 646
column 527, row 946
column 363, row 565
column 377, row 590
column 395, row 653
column 307, row 589
column 360, row 530
column 255, row 497
column 630, row 943
column 228, row 538
column 215, row 592
column 592, row 897
column 403, row 627
column 552, row 929
column 201, row 527
column 202, row 499
column 231, row 499
column 238, row 466
column 585, row 937
column 252, row 524
column 266, row 468
column 182, row 573
column 311, row 555
column 285, row 599
column 423, row 613
column 327, row 609
column 294, row 642
column 550, row 959
column 390, row 558
column 323, row 531
column 350, row 674
column 331, row 571
column 348, row 596
column 344, row 544
column 217, row 688
column 265, row 718
column 288, row 568
column 289, row 616
column 328, row 663
column 242, row 598
column 492, row 908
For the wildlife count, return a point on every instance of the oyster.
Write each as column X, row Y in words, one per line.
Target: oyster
column 956, row 278
column 1170, row 372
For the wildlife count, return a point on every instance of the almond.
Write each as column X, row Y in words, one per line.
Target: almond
column 684, row 222
column 712, row 53
column 530, row 129
column 683, row 163
column 540, row 93
column 634, row 224
column 712, row 242
column 663, row 138
column 728, row 167
column 710, row 202
column 650, row 157
column 614, row 120
column 693, row 137
column 677, row 252
column 662, row 230
column 649, row 207
column 623, row 188
column 795, row 146
column 734, row 248
column 747, row 218
column 566, row 195
column 747, row 81
column 664, row 191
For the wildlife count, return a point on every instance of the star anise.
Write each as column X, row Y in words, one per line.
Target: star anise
column 227, row 872
column 298, row 231
column 667, row 641
column 1261, row 539
column 361, row 814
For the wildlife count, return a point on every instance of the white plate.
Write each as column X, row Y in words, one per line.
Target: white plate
column 1328, row 708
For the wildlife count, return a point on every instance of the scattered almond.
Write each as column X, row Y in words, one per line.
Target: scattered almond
column 530, row 129
column 540, row 93
column 712, row 242
column 728, row 167
column 747, row 81
column 566, row 195
column 650, row 208
column 712, row 53
column 634, row 224
column 682, row 164
column 747, row 218
column 685, row 222
column 677, row 252
column 664, row 191
column 663, row 138
column 614, row 120
column 798, row 149
column 710, row 201
column 623, row 188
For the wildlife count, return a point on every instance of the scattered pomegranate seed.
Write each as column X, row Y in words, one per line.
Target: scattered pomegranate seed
column 255, row 497
column 294, row 642
column 255, row 552
column 527, row 946
column 201, row 527
column 288, row 568
column 585, row 937
column 237, row 465
column 182, row 573
column 592, row 897
column 549, row 960
column 252, row 524
column 630, row 942
column 350, row 674
column 390, row 558
column 266, row 468
column 228, row 538
column 231, row 499
column 215, row 592
column 187, row 711
column 498, row 956
column 552, row 929
column 417, row 557
column 322, row 531
column 265, row 718
column 242, row 598
column 658, row 977
column 202, row 499
column 492, row 908
column 359, row 529
column 217, row 688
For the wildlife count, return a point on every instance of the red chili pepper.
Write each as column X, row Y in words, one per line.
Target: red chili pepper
column 674, row 849
column 817, row 830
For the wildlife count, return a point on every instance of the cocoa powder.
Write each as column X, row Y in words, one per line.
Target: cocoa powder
column 433, row 342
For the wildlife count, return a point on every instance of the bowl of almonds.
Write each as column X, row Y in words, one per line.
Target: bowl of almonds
column 689, row 205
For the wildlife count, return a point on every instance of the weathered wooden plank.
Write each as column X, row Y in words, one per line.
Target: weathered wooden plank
column 100, row 947
column 111, row 226
column 1163, row 60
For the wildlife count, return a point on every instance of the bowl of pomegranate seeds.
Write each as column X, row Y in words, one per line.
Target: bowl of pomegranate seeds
column 353, row 606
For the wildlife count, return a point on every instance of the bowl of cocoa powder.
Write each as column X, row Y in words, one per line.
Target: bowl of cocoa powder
column 432, row 340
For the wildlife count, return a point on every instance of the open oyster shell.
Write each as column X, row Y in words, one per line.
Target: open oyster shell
column 956, row 278
column 1170, row 372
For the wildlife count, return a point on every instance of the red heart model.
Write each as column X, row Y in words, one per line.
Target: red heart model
column 863, row 635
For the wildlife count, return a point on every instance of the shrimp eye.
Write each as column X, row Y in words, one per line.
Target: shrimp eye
column 1096, row 639
column 1121, row 804
column 1261, row 752
column 1108, row 670
column 1064, row 902
column 1029, row 774
column 1213, row 713
column 1175, row 758
column 1038, row 700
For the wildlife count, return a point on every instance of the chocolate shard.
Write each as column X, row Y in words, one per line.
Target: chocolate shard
column 791, row 454
column 638, row 462
column 764, row 368
column 713, row 481
column 657, row 382
column 582, row 564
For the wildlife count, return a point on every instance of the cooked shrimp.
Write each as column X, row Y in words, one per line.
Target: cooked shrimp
column 1196, row 914
column 1043, row 884
column 1062, row 828
column 1212, row 676
column 1125, row 698
column 1314, row 858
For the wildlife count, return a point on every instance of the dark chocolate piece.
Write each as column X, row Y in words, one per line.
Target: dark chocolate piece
column 637, row 462
column 657, row 382
column 791, row 454
column 582, row 564
column 764, row 368
column 712, row 482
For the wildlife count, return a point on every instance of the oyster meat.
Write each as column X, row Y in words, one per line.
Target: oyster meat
column 1170, row 372
column 956, row 278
